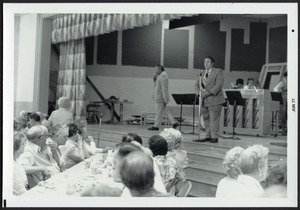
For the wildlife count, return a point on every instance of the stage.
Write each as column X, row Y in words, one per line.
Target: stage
column 245, row 140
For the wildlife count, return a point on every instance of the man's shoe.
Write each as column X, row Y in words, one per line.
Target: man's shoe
column 202, row 140
column 175, row 125
column 153, row 128
column 214, row 140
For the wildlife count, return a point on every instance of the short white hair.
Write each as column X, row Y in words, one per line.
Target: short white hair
column 64, row 102
column 173, row 137
column 252, row 158
column 230, row 162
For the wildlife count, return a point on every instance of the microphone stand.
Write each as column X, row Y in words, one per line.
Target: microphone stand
column 200, row 105
column 100, row 121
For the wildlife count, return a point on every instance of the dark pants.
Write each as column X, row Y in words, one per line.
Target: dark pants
column 211, row 118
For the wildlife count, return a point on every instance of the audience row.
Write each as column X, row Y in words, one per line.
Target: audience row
column 45, row 147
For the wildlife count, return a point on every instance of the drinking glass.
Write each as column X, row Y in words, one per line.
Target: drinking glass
column 87, row 164
column 71, row 187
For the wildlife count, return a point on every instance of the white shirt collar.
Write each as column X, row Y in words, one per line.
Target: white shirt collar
column 33, row 146
column 248, row 179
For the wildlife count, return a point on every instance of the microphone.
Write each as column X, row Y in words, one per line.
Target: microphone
column 202, row 71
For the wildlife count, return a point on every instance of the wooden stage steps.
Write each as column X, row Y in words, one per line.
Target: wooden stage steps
column 205, row 159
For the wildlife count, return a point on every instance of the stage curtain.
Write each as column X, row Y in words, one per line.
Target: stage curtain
column 77, row 26
column 72, row 76
column 70, row 30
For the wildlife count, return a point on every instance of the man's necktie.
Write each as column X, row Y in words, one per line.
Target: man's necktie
column 204, row 80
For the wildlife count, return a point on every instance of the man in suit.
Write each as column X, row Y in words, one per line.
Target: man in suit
column 210, row 83
column 161, row 97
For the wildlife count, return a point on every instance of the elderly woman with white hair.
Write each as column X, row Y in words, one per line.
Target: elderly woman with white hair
column 63, row 115
column 176, row 151
column 174, row 139
column 253, row 163
column 232, row 171
column 20, row 182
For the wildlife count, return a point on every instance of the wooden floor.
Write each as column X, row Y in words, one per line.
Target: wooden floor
column 205, row 158
column 245, row 140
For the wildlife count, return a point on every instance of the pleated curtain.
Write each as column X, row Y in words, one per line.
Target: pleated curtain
column 72, row 76
column 70, row 30
column 77, row 26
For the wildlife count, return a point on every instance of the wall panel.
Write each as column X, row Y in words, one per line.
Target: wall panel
column 141, row 46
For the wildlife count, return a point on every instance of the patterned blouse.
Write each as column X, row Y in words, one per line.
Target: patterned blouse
column 168, row 169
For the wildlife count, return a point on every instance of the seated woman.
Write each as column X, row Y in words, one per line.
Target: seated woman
column 137, row 140
column 63, row 115
column 34, row 119
column 23, row 119
column 250, row 84
column 276, row 181
column 174, row 139
column 17, row 124
column 175, row 150
column 168, row 168
column 238, row 84
column 75, row 140
column 88, row 141
column 253, row 163
column 282, row 87
column 59, row 135
column 20, row 182
column 232, row 171
column 130, row 137
column 44, row 118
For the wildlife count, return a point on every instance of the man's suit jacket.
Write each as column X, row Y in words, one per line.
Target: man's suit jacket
column 214, row 85
column 161, row 89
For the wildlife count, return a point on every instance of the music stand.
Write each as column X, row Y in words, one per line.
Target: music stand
column 179, row 99
column 191, row 98
column 234, row 98
column 187, row 99
column 276, row 96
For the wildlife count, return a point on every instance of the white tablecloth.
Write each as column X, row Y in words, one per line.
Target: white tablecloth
column 77, row 176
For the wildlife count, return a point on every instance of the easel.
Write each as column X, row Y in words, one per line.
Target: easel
column 235, row 98
column 186, row 99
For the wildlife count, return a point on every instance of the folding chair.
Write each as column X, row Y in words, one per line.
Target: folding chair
column 184, row 189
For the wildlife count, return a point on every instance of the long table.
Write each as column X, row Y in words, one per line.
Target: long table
column 112, row 104
column 73, row 181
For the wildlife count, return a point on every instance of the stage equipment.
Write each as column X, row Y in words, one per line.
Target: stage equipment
column 271, row 74
column 254, row 117
column 186, row 99
column 234, row 98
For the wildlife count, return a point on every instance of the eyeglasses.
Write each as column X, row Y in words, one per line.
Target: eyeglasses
column 44, row 136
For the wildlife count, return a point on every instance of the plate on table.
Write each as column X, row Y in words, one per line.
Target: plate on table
column 89, row 177
column 49, row 185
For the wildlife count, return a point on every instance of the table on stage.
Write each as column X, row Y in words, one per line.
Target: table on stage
column 74, row 180
column 112, row 103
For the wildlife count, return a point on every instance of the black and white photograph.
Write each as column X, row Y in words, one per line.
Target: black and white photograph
column 150, row 104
